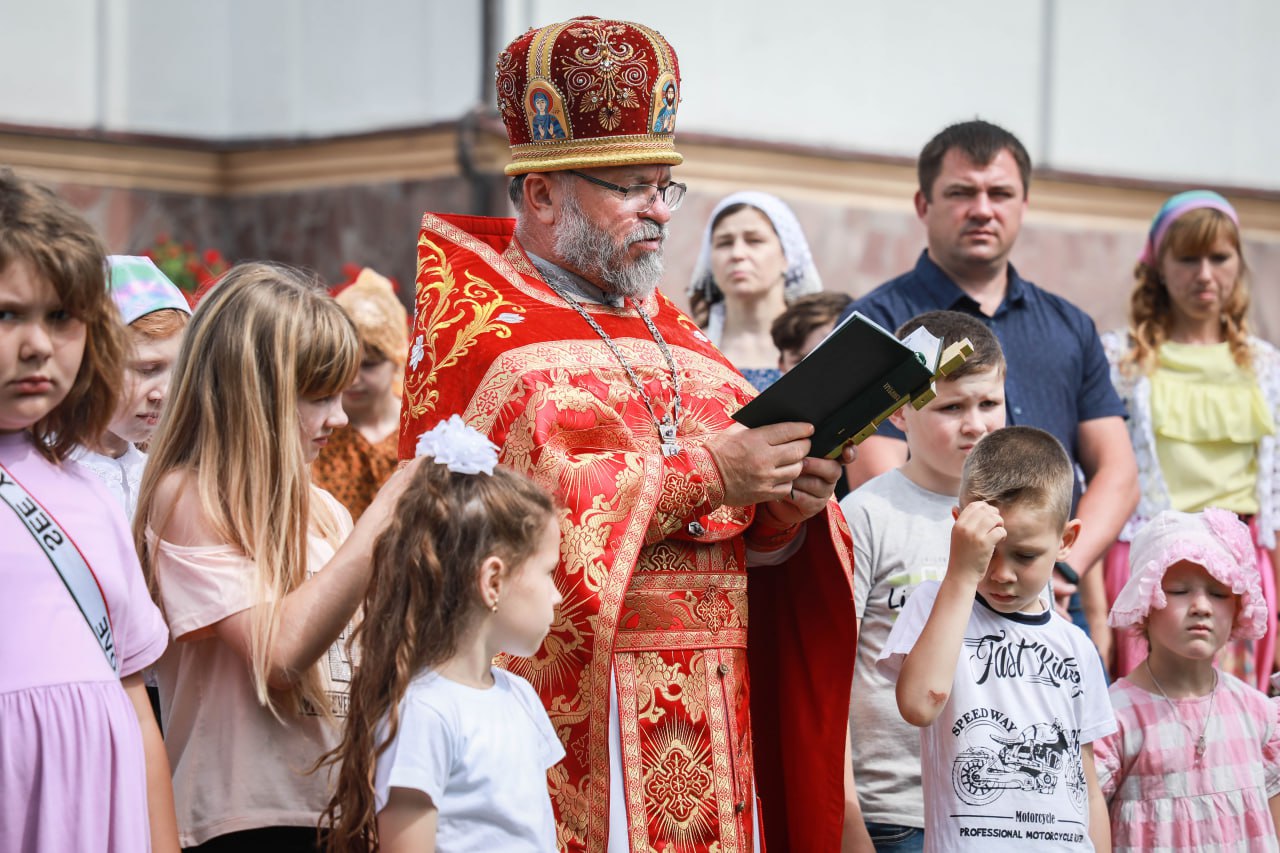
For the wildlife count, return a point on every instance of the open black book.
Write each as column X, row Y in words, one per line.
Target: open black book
column 852, row 381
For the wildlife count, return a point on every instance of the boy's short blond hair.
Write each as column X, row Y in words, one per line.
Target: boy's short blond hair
column 953, row 326
column 1020, row 466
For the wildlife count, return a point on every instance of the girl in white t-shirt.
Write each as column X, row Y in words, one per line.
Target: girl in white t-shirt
column 442, row 750
column 258, row 571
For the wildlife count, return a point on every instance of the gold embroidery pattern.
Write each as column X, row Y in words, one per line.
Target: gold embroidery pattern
column 602, row 662
column 678, row 493
column 605, row 151
column 518, row 260
column 570, row 806
column 683, row 610
column 662, row 557
column 629, row 739
column 679, row 785
column 721, row 679
column 496, row 261
column 605, row 74
column 562, row 655
column 508, row 96
column 656, row 678
column 680, row 640
column 442, row 304
column 714, row 609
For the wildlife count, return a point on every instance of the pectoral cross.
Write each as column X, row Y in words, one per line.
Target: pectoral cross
column 667, row 430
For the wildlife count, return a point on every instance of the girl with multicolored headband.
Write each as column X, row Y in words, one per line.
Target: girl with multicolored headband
column 1202, row 395
column 155, row 315
column 1195, row 762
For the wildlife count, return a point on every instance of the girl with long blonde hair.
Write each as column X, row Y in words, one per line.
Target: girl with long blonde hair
column 442, row 750
column 1203, row 397
column 257, row 571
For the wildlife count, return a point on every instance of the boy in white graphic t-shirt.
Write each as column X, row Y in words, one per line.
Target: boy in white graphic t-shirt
column 901, row 524
column 1008, row 694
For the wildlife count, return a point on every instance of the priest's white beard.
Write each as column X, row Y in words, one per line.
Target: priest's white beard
column 590, row 250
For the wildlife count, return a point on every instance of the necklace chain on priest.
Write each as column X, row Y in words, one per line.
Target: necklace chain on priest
column 667, row 425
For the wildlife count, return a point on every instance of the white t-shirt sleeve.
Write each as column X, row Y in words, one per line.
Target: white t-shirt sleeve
column 906, row 630
column 549, row 747
column 1107, row 762
column 1097, row 717
column 422, row 754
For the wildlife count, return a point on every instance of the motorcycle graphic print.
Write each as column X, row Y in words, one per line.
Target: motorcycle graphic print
column 1038, row 759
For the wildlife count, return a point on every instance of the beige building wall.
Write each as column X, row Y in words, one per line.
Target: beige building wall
column 358, row 200
column 316, row 131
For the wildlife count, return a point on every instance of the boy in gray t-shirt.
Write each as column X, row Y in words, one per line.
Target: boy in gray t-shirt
column 901, row 523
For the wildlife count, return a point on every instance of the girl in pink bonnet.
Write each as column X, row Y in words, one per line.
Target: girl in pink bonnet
column 1195, row 762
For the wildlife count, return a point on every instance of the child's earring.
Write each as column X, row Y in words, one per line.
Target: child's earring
column 493, row 608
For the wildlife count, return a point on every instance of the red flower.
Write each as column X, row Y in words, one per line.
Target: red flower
column 190, row 269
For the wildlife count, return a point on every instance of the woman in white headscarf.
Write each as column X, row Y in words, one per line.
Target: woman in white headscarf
column 754, row 262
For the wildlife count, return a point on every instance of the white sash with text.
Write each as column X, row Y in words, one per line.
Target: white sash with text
column 66, row 559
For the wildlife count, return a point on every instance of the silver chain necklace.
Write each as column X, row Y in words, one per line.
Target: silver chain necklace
column 1201, row 743
column 667, row 425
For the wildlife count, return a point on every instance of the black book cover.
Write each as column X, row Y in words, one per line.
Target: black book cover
column 847, row 385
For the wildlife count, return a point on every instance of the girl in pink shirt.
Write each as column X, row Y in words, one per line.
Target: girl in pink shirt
column 82, row 766
column 1195, row 762
column 258, row 571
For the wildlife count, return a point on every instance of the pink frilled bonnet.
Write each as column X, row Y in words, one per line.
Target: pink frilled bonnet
column 1215, row 539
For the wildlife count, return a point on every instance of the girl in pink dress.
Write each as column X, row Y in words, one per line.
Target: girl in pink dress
column 82, row 765
column 1195, row 762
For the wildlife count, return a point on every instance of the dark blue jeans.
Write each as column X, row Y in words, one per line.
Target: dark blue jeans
column 891, row 838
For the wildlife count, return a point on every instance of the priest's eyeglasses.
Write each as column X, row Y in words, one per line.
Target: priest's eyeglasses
column 640, row 198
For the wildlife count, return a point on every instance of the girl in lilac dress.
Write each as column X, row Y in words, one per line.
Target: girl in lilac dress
column 82, row 765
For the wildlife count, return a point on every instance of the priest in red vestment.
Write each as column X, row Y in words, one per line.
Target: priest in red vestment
column 698, row 672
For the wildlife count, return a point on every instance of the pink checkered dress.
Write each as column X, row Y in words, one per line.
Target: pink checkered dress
column 1161, row 799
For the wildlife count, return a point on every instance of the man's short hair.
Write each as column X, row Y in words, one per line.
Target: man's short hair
column 981, row 142
column 1020, row 466
column 954, row 326
column 792, row 327
column 515, row 191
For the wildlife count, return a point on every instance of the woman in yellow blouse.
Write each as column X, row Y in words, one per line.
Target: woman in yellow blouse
column 1202, row 395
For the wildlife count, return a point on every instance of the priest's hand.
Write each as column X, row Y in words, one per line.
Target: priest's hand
column 760, row 464
column 810, row 491
column 770, row 465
